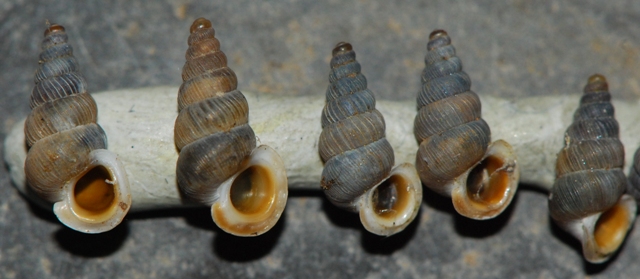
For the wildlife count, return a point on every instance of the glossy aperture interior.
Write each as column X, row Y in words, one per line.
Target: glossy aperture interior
column 611, row 228
column 94, row 194
column 253, row 191
column 391, row 197
column 488, row 182
column 250, row 202
column 391, row 205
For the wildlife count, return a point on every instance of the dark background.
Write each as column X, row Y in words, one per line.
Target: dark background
column 511, row 49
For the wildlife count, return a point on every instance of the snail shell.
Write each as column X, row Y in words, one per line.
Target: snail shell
column 358, row 174
column 587, row 198
column 219, row 163
column 634, row 177
column 456, row 157
column 67, row 163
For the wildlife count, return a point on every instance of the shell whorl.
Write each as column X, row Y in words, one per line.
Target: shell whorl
column 63, row 118
column 589, row 177
column 352, row 144
column 634, row 177
column 452, row 135
column 212, row 130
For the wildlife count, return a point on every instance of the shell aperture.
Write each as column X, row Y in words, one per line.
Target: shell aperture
column 67, row 163
column 587, row 198
column 359, row 173
column 456, row 157
column 219, row 164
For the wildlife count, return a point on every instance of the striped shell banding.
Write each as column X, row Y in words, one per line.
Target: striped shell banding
column 219, row 164
column 587, row 198
column 67, row 163
column 358, row 174
column 456, row 157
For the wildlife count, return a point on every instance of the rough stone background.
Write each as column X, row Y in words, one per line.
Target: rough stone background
column 509, row 48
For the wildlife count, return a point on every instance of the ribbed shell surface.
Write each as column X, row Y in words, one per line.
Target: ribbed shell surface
column 212, row 130
column 634, row 177
column 589, row 177
column 452, row 135
column 352, row 144
column 61, row 129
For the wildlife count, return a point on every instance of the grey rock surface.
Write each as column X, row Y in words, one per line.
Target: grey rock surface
column 509, row 48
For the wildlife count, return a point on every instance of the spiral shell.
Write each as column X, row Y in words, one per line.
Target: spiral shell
column 358, row 174
column 67, row 163
column 219, row 163
column 456, row 157
column 633, row 188
column 587, row 198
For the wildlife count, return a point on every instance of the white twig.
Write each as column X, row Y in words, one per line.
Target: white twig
column 143, row 138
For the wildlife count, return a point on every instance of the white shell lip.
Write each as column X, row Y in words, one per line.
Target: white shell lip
column 234, row 221
column 74, row 217
column 477, row 210
column 584, row 230
column 411, row 200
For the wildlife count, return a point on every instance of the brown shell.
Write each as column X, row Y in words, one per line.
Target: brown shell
column 452, row 135
column 589, row 177
column 352, row 144
column 212, row 130
column 61, row 129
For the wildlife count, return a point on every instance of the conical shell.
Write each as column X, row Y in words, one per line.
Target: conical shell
column 219, row 164
column 455, row 157
column 587, row 197
column 212, row 130
column 89, row 188
column 358, row 173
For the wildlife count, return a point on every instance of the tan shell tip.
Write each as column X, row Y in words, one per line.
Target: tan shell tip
column 437, row 33
column 597, row 78
column 53, row 28
column 341, row 47
column 596, row 82
column 200, row 23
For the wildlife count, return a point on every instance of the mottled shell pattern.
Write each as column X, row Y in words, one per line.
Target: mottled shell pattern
column 216, row 143
column 358, row 174
column 454, row 138
column 65, row 160
column 587, row 197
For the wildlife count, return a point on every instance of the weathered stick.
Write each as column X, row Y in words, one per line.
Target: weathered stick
column 139, row 125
